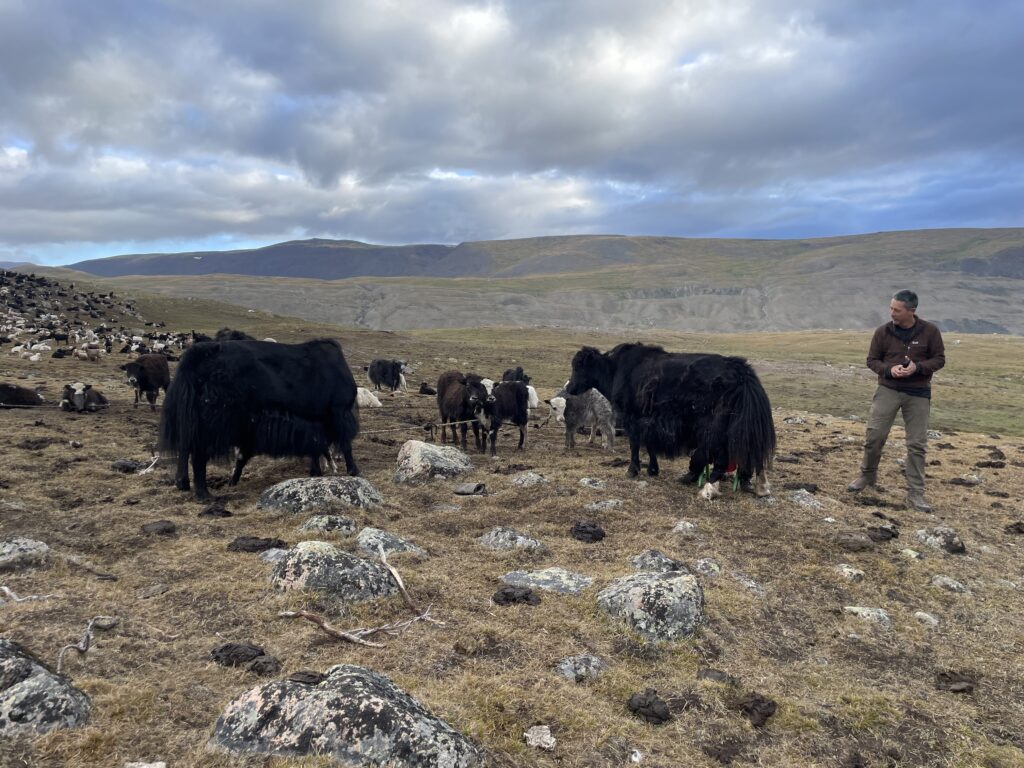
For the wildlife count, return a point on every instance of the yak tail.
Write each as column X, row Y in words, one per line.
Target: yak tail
column 751, row 429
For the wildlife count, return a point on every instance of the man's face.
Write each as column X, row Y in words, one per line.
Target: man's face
column 901, row 314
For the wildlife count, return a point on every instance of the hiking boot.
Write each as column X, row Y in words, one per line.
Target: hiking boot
column 916, row 502
column 862, row 482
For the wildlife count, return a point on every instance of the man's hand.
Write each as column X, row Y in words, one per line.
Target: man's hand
column 902, row 371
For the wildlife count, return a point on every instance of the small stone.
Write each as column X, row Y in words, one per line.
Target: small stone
column 582, row 668
column 926, row 618
column 911, row 554
column 708, row 567
column 685, row 527
column 653, row 561
column 539, row 737
column 787, row 458
column 550, row 579
column 850, row 573
column 794, row 420
column 160, row 528
column 528, row 479
column 854, row 541
column 588, row 532
column 75, row 443
column 828, row 520
column 592, row 482
column 949, row 584
column 874, row 615
column 371, row 541
column 603, row 505
column 137, row 764
column 942, row 538
column 805, row 499
column 934, row 434
column 22, row 552
column 470, row 489
column 968, row 480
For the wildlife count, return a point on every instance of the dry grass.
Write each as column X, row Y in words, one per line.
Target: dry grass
column 842, row 686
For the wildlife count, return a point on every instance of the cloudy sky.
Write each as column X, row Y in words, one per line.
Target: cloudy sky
column 139, row 126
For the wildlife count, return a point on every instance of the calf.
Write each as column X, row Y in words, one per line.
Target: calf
column 425, row 389
column 13, row 395
column 148, row 374
column 458, row 396
column 515, row 374
column 591, row 409
column 81, row 398
column 508, row 402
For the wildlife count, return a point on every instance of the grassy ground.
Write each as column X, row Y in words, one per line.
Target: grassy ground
column 848, row 693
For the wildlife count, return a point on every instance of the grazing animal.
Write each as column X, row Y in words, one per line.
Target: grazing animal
column 12, row 394
column 425, row 389
column 675, row 404
column 366, row 399
column 508, row 402
column 258, row 397
column 591, row 409
column 534, row 401
column 148, row 374
column 385, row 374
column 81, row 398
column 488, row 384
column 230, row 334
column 458, row 395
column 515, row 374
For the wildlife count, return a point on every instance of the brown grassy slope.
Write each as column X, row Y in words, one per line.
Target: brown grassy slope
column 843, row 687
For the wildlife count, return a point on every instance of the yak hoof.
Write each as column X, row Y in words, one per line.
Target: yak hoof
column 632, row 471
column 182, row 485
column 710, row 491
column 652, row 471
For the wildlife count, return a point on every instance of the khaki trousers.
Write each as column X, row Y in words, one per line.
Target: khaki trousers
column 884, row 406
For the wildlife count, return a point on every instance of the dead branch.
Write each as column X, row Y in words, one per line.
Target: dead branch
column 147, row 470
column 321, row 622
column 72, row 560
column 398, row 627
column 27, row 599
column 85, row 641
column 410, row 604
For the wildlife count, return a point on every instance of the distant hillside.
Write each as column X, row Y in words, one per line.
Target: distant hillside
column 970, row 280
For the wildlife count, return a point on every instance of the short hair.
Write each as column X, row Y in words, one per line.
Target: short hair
column 909, row 298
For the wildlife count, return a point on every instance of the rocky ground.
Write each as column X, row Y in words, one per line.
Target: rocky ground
column 811, row 628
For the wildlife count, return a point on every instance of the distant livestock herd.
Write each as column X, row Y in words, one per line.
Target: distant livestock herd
column 233, row 395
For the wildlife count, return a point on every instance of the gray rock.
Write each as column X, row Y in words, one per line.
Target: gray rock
column 942, row 538
column 419, row 462
column 581, row 668
column 528, row 479
column 33, row 699
column 322, row 567
column 926, row 618
column 314, row 495
column 550, row 579
column 804, row 498
column 539, row 737
column 273, row 555
column 949, row 584
column 659, row 606
column 354, row 716
column 708, row 567
column 795, row 420
column 592, row 482
column 371, row 540
column 603, row 505
column 470, row 489
column 653, row 561
column 854, row 541
column 850, row 573
column 748, row 583
column 506, row 539
column 874, row 615
column 934, row 434
column 911, row 554
column 685, row 527
column 21, row 552
column 345, row 526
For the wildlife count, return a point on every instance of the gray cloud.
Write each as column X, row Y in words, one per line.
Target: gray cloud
column 143, row 122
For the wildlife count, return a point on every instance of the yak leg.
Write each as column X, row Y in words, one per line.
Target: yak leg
column 711, row 489
column 240, row 461
column 152, row 396
column 136, row 403
column 494, row 441
column 350, row 462
column 593, row 434
column 522, row 437
column 652, row 464
column 479, row 437
column 570, row 438
column 315, row 470
column 181, row 476
column 698, row 460
column 462, row 431
column 761, row 488
column 634, row 457
column 199, row 474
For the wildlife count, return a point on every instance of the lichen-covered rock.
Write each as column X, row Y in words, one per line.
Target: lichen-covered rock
column 949, row 584
column 653, row 561
column 850, row 573
column 322, row 567
column 877, row 616
column 603, row 505
column 344, row 526
column 505, row 539
column 528, row 479
column 354, row 716
column 805, row 499
column 313, row 495
column 581, row 668
column 659, row 606
column 708, row 567
column 419, row 462
column 550, row 579
column 21, row 552
column 33, row 699
column 942, row 538
column 372, row 540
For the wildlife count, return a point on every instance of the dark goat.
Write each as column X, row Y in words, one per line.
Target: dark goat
column 508, row 402
column 148, row 374
column 458, row 396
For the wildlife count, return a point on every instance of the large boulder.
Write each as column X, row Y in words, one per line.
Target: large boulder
column 550, row 579
column 33, row 699
column 354, row 716
column 659, row 606
column 320, row 495
column 322, row 567
column 21, row 552
column 419, row 462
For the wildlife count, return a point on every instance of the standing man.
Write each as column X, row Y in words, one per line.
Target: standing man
column 904, row 353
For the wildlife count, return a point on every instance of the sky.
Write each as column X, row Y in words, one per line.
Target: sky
column 133, row 126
